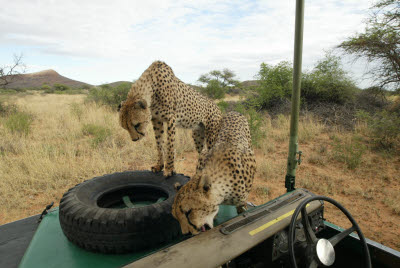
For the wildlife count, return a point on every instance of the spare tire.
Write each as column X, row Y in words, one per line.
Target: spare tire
column 121, row 212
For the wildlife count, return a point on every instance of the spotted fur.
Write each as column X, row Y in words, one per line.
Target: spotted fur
column 160, row 97
column 224, row 175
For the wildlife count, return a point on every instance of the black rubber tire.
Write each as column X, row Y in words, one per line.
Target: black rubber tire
column 108, row 230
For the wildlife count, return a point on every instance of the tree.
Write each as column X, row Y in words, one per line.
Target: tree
column 9, row 73
column 380, row 43
column 275, row 83
column 328, row 82
column 217, row 82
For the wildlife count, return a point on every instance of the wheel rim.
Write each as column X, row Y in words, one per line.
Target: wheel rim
column 134, row 196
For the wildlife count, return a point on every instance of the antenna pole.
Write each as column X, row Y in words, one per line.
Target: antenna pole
column 293, row 161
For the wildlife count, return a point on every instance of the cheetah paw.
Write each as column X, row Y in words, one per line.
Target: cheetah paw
column 169, row 173
column 157, row 168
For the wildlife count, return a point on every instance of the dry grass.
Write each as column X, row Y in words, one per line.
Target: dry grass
column 70, row 141
column 341, row 165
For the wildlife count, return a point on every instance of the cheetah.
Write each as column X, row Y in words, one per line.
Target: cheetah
column 160, row 97
column 224, row 175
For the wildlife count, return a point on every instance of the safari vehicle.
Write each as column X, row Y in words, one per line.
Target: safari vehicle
column 289, row 231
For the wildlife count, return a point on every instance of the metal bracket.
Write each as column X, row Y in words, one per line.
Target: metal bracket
column 299, row 159
column 290, row 182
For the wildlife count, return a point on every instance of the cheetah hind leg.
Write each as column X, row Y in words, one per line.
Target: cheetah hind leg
column 158, row 128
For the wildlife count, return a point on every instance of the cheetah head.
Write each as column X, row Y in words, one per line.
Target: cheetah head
column 194, row 209
column 134, row 116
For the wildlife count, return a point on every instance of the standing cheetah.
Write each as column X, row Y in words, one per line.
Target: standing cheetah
column 158, row 95
column 224, row 175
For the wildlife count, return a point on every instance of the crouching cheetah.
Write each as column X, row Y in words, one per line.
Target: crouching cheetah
column 224, row 175
column 158, row 95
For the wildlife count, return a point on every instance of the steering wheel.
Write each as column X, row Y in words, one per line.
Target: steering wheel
column 321, row 251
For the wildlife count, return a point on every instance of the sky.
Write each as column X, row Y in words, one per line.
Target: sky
column 98, row 41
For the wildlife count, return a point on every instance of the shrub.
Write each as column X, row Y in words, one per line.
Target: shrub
column 60, row 87
column 349, row 152
column 275, row 83
column 328, row 82
column 7, row 109
column 86, row 86
column 19, row 122
column 107, row 95
column 45, row 87
column 255, row 122
column 218, row 82
column 385, row 129
column 76, row 110
column 70, row 91
column 99, row 133
column 223, row 105
column 214, row 90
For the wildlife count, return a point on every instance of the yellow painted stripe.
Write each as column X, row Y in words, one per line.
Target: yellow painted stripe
column 268, row 224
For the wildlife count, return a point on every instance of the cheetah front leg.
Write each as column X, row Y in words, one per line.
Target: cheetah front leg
column 198, row 136
column 241, row 208
column 158, row 128
column 169, row 169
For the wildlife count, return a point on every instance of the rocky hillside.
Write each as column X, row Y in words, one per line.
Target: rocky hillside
column 48, row 77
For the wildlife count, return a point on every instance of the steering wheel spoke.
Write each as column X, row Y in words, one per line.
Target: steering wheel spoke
column 340, row 236
column 308, row 232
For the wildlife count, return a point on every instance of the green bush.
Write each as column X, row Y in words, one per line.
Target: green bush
column 70, row 91
column 76, row 110
column 327, row 82
column 385, row 129
column 19, row 122
column 349, row 152
column 111, row 96
column 255, row 122
column 45, row 87
column 60, row 87
column 99, row 133
column 275, row 83
column 218, row 83
column 214, row 90
column 7, row 109
column 223, row 105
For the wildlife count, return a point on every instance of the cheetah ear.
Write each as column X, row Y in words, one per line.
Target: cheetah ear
column 177, row 186
column 140, row 104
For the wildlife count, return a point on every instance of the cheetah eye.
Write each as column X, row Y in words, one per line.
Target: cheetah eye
column 137, row 125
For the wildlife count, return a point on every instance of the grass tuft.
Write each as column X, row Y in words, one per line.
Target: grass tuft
column 98, row 133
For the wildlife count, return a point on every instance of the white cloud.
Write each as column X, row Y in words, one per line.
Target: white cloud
column 192, row 36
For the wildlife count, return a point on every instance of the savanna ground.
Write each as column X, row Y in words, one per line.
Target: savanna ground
column 64, row 140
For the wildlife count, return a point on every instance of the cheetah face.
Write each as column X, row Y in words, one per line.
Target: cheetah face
column 134, row 116
column 194, row 211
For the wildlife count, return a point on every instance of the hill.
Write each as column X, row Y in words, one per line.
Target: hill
column 48, row 77
column 249, row 83
column 117, row 83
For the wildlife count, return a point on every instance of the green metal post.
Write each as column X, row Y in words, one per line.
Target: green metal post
column 294, row 119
